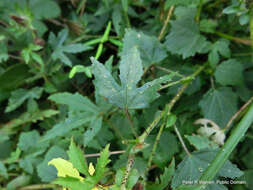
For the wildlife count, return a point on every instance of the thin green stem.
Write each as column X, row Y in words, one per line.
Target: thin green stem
column 154, row 147
column 165, row 24
column 39, row 186
column 169, row 71
column 175, row 83
column 236, row 39
column 251, row 25
column 199, row 11
column 181, row 141
column 130, row 163
column 131, row 123
column 238, row 113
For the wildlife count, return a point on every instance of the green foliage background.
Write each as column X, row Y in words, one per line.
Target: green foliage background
column 128, row 73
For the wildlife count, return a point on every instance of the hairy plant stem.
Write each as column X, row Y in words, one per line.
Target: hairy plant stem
column 251, row 25
column 170, row 105
column 181, row 141
column 238, row 113
column 169, row 71
column 236, row 39
column 165, row 24
column 40, row 186
column 110, row 153
column 199, row 11
column 131, row 123
column 130, row 163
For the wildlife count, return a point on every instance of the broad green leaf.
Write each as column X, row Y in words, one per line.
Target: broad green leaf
column 163, row 154
column 14, row 157
column 14, row 76
column 19, row 96
column 201, row 142
column 127, row 96
column 73, row 183
column 18, row 182
column 93, row 129
column 229, row 73
column 133, row 178
column 65, row 126
column 191, row 167
column 75, row 102
column 124, row 5
column 60, row 49
column 117, row 19
column 165, row 178
column 119, row 176
column 76, row 157
column 172, row 118
column 102, row 162
column 179, row 2
column 130, row 69
column 219, row 105
column 28, row 140
column 151, row 50
column 220, row 47
column 45, row 9
column 3, row 52
column 64, row 168
column 249, row 177
column 208, row 25
column 3, row 170
column 27, row 163
column 184, row 38
column 48, row 173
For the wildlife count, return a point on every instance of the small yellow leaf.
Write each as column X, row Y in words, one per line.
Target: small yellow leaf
column 65, row 168
column 91, row 169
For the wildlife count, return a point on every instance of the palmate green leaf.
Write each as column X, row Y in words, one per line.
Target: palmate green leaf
column 73, row 183
column 19, row 96
column 184, row 38
column 191, row 168
column 76, row 157
column 46, row 172
column 219, row 105
column 60, row 49
column 102, row 162
column 220, row 47
column 127, row 96
column 229, row 73
column 151, row 50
